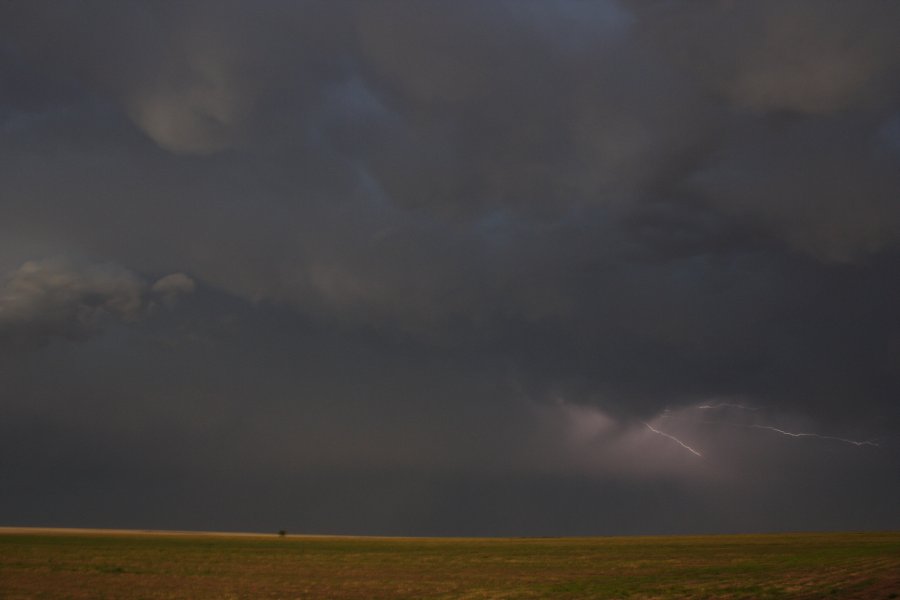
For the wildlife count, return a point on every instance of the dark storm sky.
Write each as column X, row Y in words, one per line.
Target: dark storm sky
column 525, row 267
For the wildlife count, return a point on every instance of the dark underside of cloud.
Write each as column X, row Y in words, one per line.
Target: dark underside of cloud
column 470, row 267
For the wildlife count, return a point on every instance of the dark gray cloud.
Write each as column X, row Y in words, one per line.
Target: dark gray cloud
column 439, row 260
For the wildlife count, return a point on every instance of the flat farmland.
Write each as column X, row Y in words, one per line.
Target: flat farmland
column 128, row 564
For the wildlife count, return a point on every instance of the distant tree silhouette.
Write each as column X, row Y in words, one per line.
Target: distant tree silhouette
column 282, row 532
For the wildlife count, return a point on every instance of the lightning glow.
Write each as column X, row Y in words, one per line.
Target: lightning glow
column 816, row 435
column 673, row 438
column 725, row 405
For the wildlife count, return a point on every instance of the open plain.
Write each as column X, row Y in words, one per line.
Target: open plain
column 46, row 563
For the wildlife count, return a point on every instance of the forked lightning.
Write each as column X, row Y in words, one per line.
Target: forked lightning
column 673, row 438
column 816, row 435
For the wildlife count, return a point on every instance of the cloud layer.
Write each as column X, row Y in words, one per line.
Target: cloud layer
column 426, row 245
column 66, row 298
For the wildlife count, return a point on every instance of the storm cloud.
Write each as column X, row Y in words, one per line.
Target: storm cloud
column 450, row 267
column 60, row 297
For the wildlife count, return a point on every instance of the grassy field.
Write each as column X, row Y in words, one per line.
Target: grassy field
column 98, row 564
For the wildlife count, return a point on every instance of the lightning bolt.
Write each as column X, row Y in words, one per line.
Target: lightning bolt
column 725, row 405
column 673, row 438
column 816, row 435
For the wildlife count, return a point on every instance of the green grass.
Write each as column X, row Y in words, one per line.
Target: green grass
column 54, row 564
